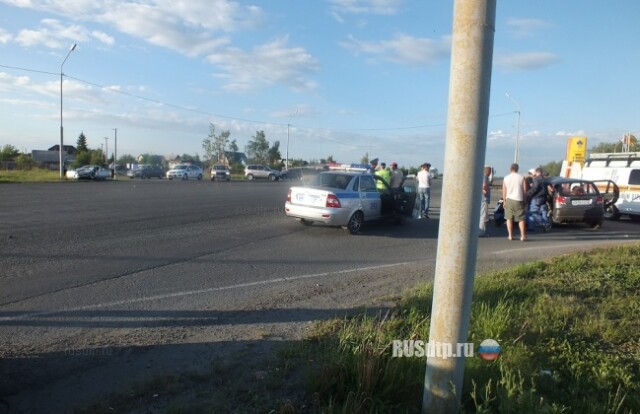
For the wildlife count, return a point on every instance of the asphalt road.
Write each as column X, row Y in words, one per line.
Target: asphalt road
column 145, row 262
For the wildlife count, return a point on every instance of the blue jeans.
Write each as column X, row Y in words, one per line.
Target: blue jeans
column 539, row 212
column 425, row 199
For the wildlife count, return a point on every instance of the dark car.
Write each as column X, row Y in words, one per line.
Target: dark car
column 579, row 201
column 147, row 171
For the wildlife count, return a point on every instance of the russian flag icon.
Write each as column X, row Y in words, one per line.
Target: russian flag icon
column 489, row 350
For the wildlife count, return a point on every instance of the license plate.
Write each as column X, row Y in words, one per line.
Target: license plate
column 581, row 202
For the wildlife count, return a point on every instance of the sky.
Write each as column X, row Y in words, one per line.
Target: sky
column 340, row 78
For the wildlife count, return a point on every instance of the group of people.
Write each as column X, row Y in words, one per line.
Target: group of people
column 394, row 177
column 525, row 200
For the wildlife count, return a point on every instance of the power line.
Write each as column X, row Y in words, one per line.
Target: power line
column 201, row 112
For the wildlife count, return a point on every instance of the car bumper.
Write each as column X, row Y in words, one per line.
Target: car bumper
column 328, row 216
column 573, row 216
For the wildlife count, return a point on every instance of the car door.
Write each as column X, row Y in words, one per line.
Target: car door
column 369, row 197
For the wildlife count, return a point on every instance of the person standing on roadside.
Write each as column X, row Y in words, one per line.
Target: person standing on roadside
column 486, row 199
column 373, row 165
column 424, row 189
column 385, row 174
column 514, row 190
column 397, row 177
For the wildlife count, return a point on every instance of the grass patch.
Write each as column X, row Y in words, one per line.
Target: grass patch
column 569, row 329
column 36, row 175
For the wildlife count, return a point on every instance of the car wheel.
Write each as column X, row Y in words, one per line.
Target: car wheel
column 250, row 177
column 306, row 222
column 199, row 177
column 185, row 177
column 611, row 213
column 355, row 222
column 272, row 177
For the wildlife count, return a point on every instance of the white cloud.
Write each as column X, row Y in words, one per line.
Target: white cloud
column 5, row 37
column 526, row 60
column 526, row 27
column 403, row 49
column 379, row 7
column 270, row 63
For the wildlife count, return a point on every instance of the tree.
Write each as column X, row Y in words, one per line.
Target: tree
column 81, row 143
column 126, row 159
column 7, row 153
column 274, row 155
column 152, row 159
column 552, row 168
column 619, row 146
column 330, row 159
column 233, row 146
column 365, row 159
column 25, row 162
column 258, row 149
column 214, row 145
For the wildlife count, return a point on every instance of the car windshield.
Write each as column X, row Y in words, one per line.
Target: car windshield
column 340, row 181
column 180, row 167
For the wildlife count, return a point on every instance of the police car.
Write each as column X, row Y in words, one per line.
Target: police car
column 348, row 199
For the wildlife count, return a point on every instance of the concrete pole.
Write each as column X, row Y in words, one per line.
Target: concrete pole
column 115, row 154
column 467, row 119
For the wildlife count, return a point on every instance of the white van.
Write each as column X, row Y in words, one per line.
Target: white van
column 624, row 169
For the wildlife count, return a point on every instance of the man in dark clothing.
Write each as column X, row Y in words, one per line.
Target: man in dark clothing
column 537, row 195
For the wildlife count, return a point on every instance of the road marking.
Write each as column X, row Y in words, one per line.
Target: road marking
column 208, row 290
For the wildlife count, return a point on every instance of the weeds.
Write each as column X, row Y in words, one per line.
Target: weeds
column 568, row 329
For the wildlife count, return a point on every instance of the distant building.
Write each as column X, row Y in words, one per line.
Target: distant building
column 234, row 157
column 50, row 158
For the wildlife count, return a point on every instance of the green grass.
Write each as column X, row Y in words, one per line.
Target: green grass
column 569, row 329
column 35, row 175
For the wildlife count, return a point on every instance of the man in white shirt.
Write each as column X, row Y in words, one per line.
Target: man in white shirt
column 424, row 189
column 514, row 190
column 397, row 177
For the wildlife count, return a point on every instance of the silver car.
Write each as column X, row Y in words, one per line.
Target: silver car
column 254, row 171
column 347, row 199
column 185, row 172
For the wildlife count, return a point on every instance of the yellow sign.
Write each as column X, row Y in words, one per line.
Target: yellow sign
column 577, row 149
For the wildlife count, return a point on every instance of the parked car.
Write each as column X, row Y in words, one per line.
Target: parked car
column 89, row 172
column 578, row 201
column 255, row 171
column 185, row 172
column 220, row 172
column 348, row 199
column 147, row 171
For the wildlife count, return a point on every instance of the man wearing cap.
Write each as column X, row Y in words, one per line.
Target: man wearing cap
column 385, row 174
column 373, row 165
column 397, row 177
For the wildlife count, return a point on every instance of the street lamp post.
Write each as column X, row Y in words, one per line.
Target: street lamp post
column 516, row 155
column 115, row 154
column 286, row 164
column 61, row 149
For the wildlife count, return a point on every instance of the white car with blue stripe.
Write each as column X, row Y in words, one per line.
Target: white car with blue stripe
column 347, row 199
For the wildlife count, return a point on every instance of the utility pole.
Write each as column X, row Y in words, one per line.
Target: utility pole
column 115, row 154
column 106, row 150
column 516, row 154
column 467, row 123
column 61, row 152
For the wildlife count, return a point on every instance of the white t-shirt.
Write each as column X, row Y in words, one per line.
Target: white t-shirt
column 513, row 183
column 424, row 179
